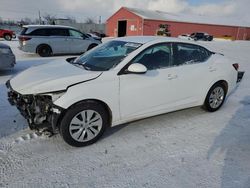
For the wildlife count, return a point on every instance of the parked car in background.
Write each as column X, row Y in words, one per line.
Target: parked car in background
column 201, row 36
column 47, row 40
column 7, row 34
column 99, row 34
column 185, row 36
column 94, row 36
column 7, row 58
column 122, row 80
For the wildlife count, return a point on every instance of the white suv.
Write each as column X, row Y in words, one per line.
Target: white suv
column 54, row 39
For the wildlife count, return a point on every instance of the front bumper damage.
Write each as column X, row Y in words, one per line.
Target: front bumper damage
column 38, row 110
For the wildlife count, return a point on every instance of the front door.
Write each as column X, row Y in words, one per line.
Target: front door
column 79, row 43
column 142, row 94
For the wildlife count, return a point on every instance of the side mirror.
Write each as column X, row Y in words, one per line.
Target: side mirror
column 137, row 68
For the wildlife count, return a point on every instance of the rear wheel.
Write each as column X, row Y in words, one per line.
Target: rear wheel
column 7, row 37
column 44, row 51
column 215, row 97
column 84, row 124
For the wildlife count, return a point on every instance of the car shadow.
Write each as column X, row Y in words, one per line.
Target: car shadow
column 234, row 143
column 113, row 130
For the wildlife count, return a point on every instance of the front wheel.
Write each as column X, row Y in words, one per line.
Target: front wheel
column 215, row 97
column 84, row 124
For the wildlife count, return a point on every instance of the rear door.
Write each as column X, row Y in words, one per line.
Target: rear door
column 190, row 66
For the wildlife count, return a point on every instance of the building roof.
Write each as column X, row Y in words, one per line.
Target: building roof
column 190, row 18
column 48, row 26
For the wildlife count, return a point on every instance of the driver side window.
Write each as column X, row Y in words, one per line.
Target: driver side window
column 155, row 57
column 75, row 34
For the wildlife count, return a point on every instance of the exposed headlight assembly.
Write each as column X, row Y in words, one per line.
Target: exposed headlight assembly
column 54, row 95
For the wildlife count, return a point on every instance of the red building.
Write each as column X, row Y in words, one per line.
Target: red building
column 131, row 21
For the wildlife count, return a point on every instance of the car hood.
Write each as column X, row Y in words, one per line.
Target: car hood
column 54, row 76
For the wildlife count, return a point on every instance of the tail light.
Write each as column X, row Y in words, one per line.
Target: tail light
column 236, row 66
column 24, row 38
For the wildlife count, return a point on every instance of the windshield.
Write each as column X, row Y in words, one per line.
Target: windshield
column 106, row 56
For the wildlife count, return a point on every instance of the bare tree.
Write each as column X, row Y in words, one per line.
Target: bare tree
column 50, row 19
column 71, row 19
column 89, row 21
column 36, row 21
column 1, row 21
column 26, row 21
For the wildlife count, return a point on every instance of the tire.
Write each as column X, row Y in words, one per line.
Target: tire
column 215, row 97
column 44, row 51
column 91, row 46
column 7, row 37
column 84, row 123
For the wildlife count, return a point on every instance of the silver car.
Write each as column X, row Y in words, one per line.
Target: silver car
column 47, row 40
column 7, row 58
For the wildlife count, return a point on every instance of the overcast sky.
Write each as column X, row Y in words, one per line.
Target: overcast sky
column 82, row 9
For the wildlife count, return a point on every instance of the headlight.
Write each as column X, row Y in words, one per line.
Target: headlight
column 54, row 96
column 5, row 51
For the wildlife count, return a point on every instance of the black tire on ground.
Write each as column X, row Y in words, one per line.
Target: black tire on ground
column 7, row 37
column 215, row 97
column 83, row 126
column 44, row 51
column 91, row 46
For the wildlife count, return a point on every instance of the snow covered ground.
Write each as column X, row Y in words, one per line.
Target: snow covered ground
column 189, row 148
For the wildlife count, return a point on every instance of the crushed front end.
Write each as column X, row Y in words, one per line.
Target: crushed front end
column 38, row 109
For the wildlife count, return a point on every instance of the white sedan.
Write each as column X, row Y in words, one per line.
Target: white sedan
column 122, row 80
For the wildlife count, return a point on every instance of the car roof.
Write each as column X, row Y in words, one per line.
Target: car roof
column 47, row 26
column 158, row 39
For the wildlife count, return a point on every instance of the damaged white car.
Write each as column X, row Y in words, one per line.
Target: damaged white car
column 122, row 80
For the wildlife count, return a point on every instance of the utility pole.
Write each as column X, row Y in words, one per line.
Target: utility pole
column 40, row 20
column 100, row 19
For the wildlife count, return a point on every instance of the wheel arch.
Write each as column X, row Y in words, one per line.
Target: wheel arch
column 223, row 82
column 44, row 44
column 92, row 45
column 106, row 107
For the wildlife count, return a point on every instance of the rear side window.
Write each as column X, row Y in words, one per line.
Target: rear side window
column 48, row 32
column 189, row 54
column 58, row 32
column 39, row 32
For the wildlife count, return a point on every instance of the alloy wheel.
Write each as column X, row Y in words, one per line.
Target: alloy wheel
column 85, row 125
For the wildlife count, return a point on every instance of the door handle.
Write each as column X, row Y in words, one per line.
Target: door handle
column 212, row 69
column 171, row 77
